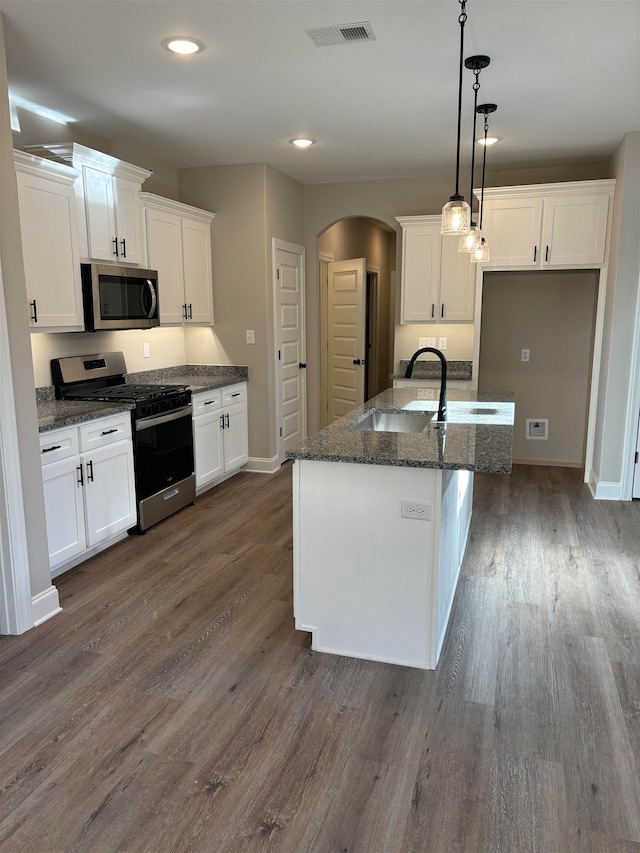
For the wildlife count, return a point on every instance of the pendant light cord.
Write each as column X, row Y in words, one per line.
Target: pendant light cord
column 484, row 165
column 476, row 89
column 462, row 19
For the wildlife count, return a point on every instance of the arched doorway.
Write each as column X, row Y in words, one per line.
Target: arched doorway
column 373, row 242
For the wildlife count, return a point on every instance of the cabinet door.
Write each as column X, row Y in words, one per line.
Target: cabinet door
column 110, row 503
column 574, row 230
column 129, row 222
column 99, row 207
column 198, row 283
column 50, row 248
column 164, row 243
column 207, row 448
column 512, row 228
column 64, row 509
column 457, row 284
column 420, row 273
column 235, row 436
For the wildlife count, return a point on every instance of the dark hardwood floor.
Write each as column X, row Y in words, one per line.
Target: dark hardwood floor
column 172, row 708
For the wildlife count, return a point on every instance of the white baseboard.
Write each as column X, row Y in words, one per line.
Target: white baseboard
column 258, row 465
column 45, row 605
column 602, row 491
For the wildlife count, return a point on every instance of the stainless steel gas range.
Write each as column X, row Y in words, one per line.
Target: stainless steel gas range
column 161, row 428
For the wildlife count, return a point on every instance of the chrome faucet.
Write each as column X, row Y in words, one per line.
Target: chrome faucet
column 442, row 403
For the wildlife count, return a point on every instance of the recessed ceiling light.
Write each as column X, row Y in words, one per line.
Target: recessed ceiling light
column 184, row 45
column 302, row 142
column 490, row 140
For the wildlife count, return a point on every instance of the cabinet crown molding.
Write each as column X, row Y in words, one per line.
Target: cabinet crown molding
column 79, row 155
column 30, row 164
column 168, row 204
column 564, row 188
column 430, row 219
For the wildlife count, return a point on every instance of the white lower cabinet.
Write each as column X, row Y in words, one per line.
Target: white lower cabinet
column 220, row 434
column 89, row 487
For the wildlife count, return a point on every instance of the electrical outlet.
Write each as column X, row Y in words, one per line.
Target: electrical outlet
column 416, row 510
column 422, row 342
column 145, row 349
column 442, row 344
column 251, row 336
column 524, row 355
column 430, row 342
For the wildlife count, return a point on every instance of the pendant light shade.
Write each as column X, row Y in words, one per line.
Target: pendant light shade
column 472, row 240
column 481, row 255
column 456, row 214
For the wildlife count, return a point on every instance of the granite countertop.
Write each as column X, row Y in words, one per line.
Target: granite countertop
column 197, row 377
column 55, row 414
column 477, row 435
column 430, row 369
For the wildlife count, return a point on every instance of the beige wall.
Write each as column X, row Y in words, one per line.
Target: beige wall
column 253, row 204
column 614, row 416
column 20, row 349
column 166, row 348
column 551, row 314
column 326, row 204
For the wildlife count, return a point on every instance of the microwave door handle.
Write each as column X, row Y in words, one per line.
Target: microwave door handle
column 154, row 299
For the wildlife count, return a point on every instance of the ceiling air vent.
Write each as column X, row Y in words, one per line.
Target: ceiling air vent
column 323, row 36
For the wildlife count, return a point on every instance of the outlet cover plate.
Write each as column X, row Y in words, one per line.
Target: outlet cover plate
column 537, row 429
column 417, row 510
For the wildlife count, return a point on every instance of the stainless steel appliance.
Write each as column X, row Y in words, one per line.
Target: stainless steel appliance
column 161, row 428
column 117, row 297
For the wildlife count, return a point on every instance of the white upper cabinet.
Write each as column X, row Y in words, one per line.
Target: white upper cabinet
column 107, row 192
column 548, row 225
column 179, row 248
column 49, row 228
column 437, row 281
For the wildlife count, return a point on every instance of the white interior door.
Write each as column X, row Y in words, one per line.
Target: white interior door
column 290, row 345
column 636, row 469
column 346, row 331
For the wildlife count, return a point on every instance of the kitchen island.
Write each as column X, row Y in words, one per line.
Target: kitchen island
column 382, row 507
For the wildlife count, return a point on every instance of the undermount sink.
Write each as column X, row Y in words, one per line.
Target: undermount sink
column 394, row 422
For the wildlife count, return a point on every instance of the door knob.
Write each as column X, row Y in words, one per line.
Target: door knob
column 302, row 365
column 357, row 361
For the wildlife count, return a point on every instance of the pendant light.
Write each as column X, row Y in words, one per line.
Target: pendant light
column 471, row 241
column 456, row 214
column 481, row 255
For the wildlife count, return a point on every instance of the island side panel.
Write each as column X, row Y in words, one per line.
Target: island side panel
column 365, row 579
column 455, row 519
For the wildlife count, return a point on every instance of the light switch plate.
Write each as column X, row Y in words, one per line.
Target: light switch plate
column 251, row 336
column 442, row 344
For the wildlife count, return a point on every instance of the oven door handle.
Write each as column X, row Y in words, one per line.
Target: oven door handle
column 154, row 299
column 156, row 420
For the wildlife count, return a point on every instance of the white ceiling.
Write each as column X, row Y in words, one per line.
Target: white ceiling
column 564, row 73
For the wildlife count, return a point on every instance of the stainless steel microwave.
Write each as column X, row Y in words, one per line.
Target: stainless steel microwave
column 117, row 297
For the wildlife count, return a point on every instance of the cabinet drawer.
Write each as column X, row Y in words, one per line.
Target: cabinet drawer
column 58, row 444
column 234, row 394
column 105, row 431
column 207, row 401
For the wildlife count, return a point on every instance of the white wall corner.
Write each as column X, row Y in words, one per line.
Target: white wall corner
column 602, row 491
column 45, row 605
column 259, row 465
